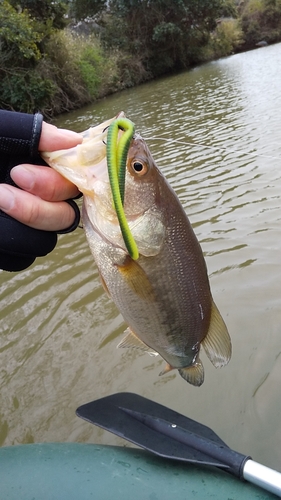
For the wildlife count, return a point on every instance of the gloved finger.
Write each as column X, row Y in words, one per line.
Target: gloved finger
column 35, row 212
column 44, row 182
column 20, row 244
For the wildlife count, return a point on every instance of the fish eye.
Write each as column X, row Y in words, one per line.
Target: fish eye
column 139, row 167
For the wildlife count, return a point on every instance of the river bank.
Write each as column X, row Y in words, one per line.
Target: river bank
column 45, row 66
column 118, row 79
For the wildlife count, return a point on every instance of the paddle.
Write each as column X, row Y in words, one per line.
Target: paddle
column 171, row 435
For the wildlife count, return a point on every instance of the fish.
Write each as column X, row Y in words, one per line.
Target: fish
column 164, row 295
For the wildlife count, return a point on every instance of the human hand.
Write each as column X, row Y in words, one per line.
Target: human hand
column 39, row 203
column 33, row 211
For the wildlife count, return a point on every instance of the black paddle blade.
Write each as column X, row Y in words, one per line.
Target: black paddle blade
column 155, row 428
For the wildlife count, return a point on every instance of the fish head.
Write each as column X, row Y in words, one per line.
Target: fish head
column 84, row 162
column 142, row 176
column 86, row 166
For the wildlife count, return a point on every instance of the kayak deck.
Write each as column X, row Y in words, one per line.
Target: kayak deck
column 70, row 471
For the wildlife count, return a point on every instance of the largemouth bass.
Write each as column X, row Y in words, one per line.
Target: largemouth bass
column 164, row 295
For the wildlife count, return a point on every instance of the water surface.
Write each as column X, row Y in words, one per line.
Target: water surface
column 215, row 132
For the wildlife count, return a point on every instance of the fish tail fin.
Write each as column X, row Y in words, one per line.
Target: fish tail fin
column 193, row 374
column 217, row 343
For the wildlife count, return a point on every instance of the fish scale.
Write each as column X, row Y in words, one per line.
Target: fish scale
column 164, row 295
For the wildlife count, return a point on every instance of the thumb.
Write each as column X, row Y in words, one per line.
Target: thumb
column 53, row 138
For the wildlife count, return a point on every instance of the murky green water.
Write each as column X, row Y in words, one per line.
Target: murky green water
column 216, row 133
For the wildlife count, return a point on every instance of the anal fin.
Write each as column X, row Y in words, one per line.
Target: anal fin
column 132, row 340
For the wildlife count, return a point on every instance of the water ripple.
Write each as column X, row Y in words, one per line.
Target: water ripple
column 215, row 133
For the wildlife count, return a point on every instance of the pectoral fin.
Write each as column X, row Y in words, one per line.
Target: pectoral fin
column 136, row 278
column 217, row 343
column 131, row 340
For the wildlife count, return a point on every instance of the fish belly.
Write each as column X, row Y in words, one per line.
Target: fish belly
column 165, row 299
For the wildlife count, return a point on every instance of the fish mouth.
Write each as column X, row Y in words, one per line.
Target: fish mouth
column 88, row 156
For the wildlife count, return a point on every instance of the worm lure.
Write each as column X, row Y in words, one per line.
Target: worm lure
column 116, row 152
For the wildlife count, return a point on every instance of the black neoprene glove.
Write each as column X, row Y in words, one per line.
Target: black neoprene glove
column 21, row 244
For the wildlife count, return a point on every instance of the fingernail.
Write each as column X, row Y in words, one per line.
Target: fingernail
column 24, row 177
column 7, row 199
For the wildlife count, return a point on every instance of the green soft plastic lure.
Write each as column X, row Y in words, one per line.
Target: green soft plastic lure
column 116, row 152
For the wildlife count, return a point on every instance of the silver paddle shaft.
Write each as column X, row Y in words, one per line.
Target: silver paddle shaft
column 263, row 476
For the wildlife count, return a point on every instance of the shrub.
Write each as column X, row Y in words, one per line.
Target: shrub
column 21, row 88
column 261, row 20
column 25, row 91
column 60, row 65
column 78, row 69
column 227, row 38
column 90, row 64
column 18, row 38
